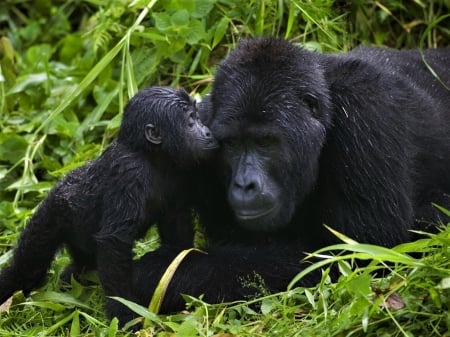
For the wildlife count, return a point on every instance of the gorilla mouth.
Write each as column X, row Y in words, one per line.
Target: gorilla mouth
column 252, row 215
column 212, row 145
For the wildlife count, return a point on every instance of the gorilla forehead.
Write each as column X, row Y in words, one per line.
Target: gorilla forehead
column 246, row 109
column 261, row 84
column 159, row 103
column 272, row 59
column 268, row 53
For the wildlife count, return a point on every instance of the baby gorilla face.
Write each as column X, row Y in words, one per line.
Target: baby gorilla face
column 202, row 140
column 172, row 125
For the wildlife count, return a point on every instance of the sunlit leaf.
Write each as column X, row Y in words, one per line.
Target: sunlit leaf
column 24, row 82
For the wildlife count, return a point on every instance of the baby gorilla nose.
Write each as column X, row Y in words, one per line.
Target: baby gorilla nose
column 209, row 140
column 206, row 132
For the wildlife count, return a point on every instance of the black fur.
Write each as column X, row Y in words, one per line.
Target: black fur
column 99, row 209
column 358, row 141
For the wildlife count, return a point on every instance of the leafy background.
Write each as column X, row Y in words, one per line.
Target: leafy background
column 68, row 67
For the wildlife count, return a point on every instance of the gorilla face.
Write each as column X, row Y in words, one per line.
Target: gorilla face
column 269, row 112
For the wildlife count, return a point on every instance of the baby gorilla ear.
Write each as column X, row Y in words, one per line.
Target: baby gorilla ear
column 152, row 134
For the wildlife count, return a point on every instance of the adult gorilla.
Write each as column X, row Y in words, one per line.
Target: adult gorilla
column 358, row 141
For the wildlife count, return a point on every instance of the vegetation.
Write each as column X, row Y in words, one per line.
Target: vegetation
column 68, row 67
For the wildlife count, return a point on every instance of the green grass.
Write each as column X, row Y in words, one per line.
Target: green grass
column 411, row 298
column 67, row 68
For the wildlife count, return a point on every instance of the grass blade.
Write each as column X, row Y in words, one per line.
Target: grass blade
column 160, row 290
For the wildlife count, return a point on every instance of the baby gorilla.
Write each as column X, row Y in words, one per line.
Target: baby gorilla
column 147, row 176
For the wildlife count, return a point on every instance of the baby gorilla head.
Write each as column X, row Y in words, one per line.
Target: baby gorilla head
column 164, row 121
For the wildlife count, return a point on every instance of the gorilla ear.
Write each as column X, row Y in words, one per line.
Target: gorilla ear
column 312, row 104
column 152, row 134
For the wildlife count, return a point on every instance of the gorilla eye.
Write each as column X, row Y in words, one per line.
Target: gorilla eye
column 265, row 142
column 312, row 104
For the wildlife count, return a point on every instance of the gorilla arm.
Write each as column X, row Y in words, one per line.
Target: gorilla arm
column 223, row 273
column 125, row 219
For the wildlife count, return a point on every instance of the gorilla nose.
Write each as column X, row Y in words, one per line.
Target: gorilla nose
column 245, row 189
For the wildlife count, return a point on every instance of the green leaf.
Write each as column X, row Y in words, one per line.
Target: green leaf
column 196, row 32
column 173, row 325
column 31, row 186
column 310, row 298
column 341, row 236
column 71, row 45
column 267, row 306
column 219, row 33
column 5, row 257
column 62, row 127
column 75, row 326
column 180, row 18
column 12, row 147
column 359, row 285
column 57, row 297
column 6, row 48
column 202, row 8
column 49, row 305
column 139, row 309
column 188, row 328
column 113, row 327
column 373, row 252
column 24, row 82
column 39, row 55
column 162, row 21
column 442, row 209
column 174, row 5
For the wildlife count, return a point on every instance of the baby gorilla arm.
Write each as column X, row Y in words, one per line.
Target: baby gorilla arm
column 125, row 219
column 114, row 260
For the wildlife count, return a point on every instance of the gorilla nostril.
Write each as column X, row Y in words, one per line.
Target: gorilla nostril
column 246, row 187
column 238, row 186
column 250, row 187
